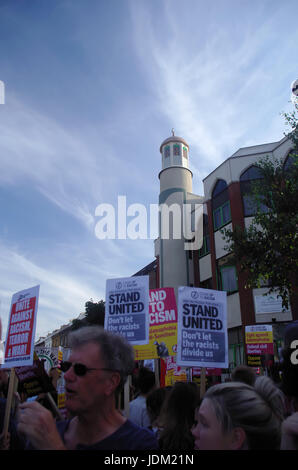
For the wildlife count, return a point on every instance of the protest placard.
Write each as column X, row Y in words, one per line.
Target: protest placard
column 34, row 382
column 63, row 354
column 19, row 345
column 127, row 307
column 254, row 360
column 210, row 371
column 259, row 339
column 170, row 372
column 49, row 356
column 33, row 379
column 202, row 328
column 162, row 326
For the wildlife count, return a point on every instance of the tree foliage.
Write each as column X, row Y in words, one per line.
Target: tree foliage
column 95, row 312
column 268, row 250
column 95, row 315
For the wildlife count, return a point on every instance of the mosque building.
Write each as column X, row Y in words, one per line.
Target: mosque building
column 226, row 203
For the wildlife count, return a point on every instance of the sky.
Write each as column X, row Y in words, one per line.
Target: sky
column 92, row 88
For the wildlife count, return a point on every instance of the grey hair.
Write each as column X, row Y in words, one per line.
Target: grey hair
column 258, row 410
column 116, row 351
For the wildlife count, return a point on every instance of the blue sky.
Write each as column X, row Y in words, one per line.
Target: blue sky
column 92, row 88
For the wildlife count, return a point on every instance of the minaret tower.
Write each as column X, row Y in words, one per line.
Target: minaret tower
column 175, row 191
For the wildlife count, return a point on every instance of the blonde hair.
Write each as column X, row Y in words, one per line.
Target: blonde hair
column 258, row 410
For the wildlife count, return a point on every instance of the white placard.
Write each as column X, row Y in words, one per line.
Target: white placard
column 127, row 308
column 202, row 328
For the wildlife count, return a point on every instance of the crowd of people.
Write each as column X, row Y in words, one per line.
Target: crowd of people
column 248, row 412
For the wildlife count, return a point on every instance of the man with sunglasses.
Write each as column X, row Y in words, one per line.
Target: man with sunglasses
column 96, row 371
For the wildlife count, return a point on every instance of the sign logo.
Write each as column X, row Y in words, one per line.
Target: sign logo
column 22, row 296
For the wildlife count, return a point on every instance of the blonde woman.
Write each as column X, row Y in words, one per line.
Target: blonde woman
column 234, row 416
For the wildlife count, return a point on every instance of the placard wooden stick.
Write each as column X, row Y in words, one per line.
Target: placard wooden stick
column 203, row 382
column 10, row 395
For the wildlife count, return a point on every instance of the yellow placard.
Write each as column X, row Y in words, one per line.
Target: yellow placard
column 180, row 376
column 61, row 400
column 169, row 378
column 256, row 337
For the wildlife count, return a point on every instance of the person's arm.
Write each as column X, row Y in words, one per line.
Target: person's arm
column 145, row 420
column 39, row 426
column 5, row 441
column 289, row 439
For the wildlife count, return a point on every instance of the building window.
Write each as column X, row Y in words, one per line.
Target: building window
column 236, row 347
column 221, row 205
column 207, row 284
column 206, row 238
column 228, row 278
column 205, row 247
column 247, row 179
column 167, row 151
column 289, row 162
column 222, row 215
column 236, row 355
column 176, row 149
column 184, row 150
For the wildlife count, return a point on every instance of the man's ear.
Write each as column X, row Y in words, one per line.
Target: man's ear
column 112, row 383
column 238, row 439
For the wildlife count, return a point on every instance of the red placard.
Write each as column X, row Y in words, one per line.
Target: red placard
column 19, row 343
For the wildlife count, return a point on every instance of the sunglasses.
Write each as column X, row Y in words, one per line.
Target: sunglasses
column 79, row 369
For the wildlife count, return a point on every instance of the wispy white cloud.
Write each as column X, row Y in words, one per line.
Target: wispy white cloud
column 62, row 295
column 37, row 150
column 209, row 75
column 74, row 173
column 69, row 275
